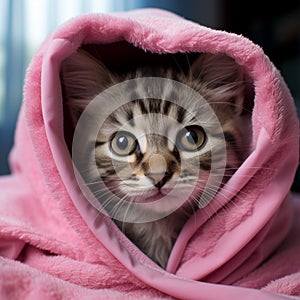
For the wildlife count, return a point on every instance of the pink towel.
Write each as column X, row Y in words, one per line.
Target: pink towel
column 52, row 248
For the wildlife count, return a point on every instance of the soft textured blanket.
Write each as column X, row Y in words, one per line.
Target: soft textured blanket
column 55, row 245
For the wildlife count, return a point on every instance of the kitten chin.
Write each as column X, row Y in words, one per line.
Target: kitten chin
column 150, row 162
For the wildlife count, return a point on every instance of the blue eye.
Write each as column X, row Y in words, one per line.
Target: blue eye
column 123, row 143
column 191, row 138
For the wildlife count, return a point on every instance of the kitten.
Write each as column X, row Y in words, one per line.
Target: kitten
column 154, row 155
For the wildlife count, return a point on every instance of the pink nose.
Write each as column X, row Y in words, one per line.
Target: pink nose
column 157, row 164
column 155, row 177
column 157, row 172
column 159, row 179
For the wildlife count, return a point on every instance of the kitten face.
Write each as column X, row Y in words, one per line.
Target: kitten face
column 149, row 147
column 152, row 153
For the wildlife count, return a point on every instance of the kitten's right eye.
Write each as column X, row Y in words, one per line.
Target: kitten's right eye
column 123, row 143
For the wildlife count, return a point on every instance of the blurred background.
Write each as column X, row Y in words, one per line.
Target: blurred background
column 24, row 24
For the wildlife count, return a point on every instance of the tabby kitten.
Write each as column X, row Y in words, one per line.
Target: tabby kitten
column 149, row 147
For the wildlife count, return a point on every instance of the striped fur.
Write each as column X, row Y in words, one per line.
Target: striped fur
column 158, row 161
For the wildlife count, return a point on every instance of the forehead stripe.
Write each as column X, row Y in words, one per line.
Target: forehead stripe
column 141, row 104
column 154, row 105
column 166, row 107
column 180, row 114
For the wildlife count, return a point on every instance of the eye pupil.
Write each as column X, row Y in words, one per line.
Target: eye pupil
column 192, row 137
column 122, row 142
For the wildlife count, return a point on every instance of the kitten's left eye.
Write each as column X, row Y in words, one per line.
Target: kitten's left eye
column 123, row 143
column 191, row 138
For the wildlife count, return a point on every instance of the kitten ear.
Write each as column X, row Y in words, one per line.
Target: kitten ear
column 222, row 77
column 82, row 78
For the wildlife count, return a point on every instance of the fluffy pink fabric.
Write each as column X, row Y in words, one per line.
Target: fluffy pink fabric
column 54, row 244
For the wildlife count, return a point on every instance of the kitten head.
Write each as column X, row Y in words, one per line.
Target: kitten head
column 148, row 148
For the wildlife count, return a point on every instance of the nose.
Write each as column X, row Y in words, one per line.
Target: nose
column 159, row 179
column 158, row 170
